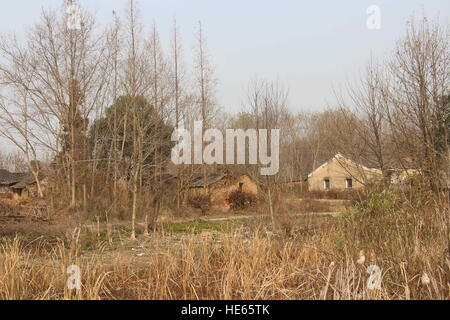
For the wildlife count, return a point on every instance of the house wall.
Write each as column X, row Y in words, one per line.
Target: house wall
column 30, row 191
column 33, row 190
column 4, row 189
column 338, row 170
column 19, row 194
column 401, row 176
column 221, row 190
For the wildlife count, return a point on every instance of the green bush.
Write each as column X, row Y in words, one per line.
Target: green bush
column 394, row 223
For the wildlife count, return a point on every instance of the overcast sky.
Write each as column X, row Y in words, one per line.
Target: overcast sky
column 310, row 46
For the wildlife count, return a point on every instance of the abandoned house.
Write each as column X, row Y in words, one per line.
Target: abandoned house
column 342, row 173
column 17, row 185
column 220, row 187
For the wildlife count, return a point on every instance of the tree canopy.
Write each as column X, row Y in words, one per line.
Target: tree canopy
column 114, row 131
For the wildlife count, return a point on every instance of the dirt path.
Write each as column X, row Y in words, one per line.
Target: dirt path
column 232, row 218
column 220, row 219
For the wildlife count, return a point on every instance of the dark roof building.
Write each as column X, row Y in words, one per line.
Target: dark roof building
column 211, row 179
column 16, row 180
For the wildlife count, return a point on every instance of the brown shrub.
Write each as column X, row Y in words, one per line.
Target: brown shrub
column 241, row 200
column 8, row 210
column 312, row 205
column 202, row 202
column 350, row 194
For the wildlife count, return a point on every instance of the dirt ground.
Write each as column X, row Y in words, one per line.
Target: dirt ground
column 31, row 221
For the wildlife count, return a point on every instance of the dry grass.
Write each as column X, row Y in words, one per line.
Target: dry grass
column 308, row 262
column 235, row 267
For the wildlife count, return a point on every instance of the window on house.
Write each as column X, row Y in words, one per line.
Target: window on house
column 327, row 183
column 349, row 183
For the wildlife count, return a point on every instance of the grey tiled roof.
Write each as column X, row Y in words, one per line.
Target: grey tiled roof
column 16, row 180
column 199, row 182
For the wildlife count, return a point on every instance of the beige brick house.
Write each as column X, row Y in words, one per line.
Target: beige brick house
column 342, row 173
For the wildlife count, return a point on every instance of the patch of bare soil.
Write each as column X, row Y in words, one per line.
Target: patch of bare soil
column 25, row 208
column 29, row 217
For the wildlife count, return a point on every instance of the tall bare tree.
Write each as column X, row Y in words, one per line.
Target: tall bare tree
column 61, row 71
column 365, row 115
column 420, row 71
column 206, row 84
column 267, row 102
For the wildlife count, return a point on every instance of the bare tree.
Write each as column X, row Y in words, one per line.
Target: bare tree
column 267, row 102
column 420, row 71
column 134, row 83
column 15, row 126
column 60, row 70
column 365, row 115
column 179, row 98
column 205, row 79
column 206, row 84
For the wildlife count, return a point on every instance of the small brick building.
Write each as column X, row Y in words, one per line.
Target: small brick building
column 342, row 173
column 19, row 185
